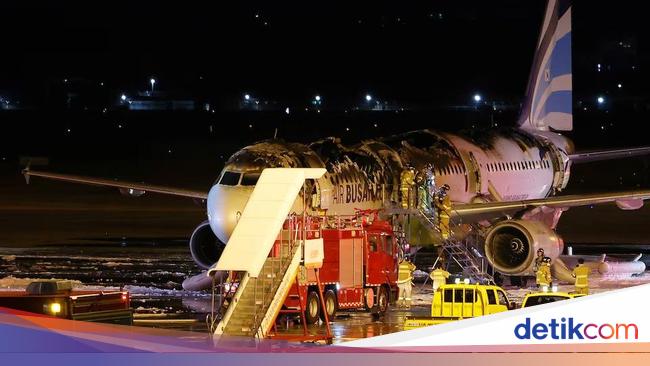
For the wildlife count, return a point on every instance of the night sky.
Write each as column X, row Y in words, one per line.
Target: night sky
column 421, row 52
column 428, row 57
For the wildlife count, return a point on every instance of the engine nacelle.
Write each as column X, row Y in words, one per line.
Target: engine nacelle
column 511, row 246
column 205, row 247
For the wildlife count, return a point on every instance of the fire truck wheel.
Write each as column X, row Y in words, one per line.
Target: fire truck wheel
column 331, row 305
column 382, row 301
column 312, row 308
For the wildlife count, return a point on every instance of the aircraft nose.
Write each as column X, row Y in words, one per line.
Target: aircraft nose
column 225, row 205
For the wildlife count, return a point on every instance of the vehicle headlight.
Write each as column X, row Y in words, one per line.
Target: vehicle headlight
column 55, row 308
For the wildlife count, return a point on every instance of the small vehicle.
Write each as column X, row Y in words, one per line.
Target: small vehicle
column 460, row 301
column 58, row 299
column 545, row 297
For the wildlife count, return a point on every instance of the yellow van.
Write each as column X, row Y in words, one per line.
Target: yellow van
column 460, row 301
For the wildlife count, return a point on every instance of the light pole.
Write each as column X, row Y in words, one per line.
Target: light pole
column 153, row 82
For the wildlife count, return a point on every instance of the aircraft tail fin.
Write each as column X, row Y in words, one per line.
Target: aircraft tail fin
column 548, row 104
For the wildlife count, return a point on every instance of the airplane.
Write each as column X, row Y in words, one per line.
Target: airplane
column 504, row 182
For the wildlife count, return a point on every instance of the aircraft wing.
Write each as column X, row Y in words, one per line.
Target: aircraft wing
column 586, row 157
column 483, row 211
column 131, row 188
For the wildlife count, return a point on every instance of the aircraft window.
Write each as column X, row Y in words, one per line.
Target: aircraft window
column 230, row 179
column 491, row 298
column 250, row 179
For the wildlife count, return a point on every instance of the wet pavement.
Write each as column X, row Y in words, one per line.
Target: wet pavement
column 153, row 274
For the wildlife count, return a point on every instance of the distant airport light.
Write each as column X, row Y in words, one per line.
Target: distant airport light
column 317, row 98
column 601, row 100
column 247, row 96
column 123, row 97
column 477, row 97
column 368, row 97
column 287, row 111
column 620, row 86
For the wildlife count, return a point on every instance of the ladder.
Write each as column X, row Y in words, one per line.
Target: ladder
column 264, row 250
column 254, row 307
column 459, row 250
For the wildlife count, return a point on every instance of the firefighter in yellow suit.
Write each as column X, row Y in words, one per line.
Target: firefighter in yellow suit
column 406, row 184
column 443, row 209
column 404, row 283
column 581, row 274
column 543, row 275
column 439, row 277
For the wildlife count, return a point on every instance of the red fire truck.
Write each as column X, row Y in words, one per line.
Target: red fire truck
column 359, row 270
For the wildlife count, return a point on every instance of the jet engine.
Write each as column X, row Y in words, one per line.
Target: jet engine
column 511, row 246
column 205, row 247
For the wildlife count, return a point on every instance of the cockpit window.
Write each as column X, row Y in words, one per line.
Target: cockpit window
column 250, row 179
column 230, row 179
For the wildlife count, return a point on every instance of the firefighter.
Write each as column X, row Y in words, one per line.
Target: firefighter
column 404, row 283
column 443, row 209
column 581, row 274
column 543, row 274
column 439, row 277
column 538, row 259
column 407, row 181
column 425, row 183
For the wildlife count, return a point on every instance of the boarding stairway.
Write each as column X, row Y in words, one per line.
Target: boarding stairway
column 460, row 250
column 263, row 255
column 253, row 308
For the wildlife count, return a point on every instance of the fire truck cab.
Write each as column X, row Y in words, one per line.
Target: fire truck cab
column 359, row 270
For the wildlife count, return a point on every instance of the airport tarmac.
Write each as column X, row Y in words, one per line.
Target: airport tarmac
column 153, row 275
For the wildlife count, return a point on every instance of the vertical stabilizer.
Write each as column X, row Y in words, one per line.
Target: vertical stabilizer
column 548, row 104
